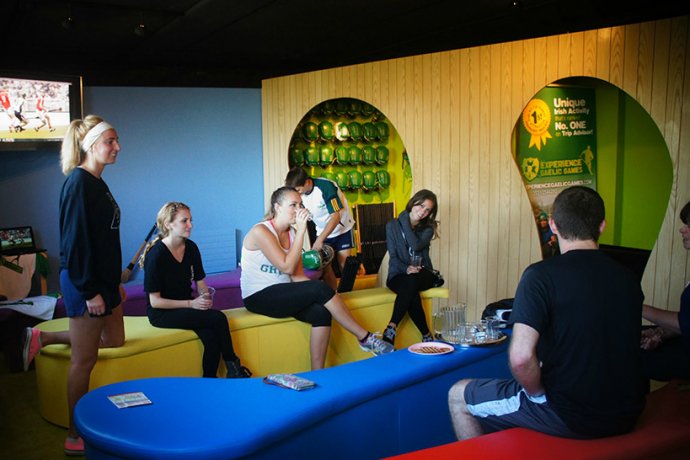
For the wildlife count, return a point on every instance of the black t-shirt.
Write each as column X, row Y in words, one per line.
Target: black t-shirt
column 587, row 309
column 173, row 279
column 90, row 236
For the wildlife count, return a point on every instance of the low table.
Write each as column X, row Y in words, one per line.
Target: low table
column 374, row 408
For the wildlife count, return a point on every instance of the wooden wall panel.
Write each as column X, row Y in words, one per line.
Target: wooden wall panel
column 455, row 112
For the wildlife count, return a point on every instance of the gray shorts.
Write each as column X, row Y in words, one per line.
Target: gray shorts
column 500, row 404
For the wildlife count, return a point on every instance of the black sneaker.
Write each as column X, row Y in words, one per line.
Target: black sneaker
column 389, row 335
column 237, row 370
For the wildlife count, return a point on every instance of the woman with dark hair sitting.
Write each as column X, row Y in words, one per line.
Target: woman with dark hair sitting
column 409, row 268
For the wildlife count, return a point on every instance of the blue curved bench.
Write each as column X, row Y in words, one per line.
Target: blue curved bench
column 367, row 409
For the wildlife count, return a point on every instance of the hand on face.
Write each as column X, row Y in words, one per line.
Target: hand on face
column 301, row 218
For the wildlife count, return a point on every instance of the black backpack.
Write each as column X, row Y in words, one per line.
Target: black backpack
column 491, row 310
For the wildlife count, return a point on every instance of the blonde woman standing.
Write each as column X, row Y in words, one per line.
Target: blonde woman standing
column 90, row 260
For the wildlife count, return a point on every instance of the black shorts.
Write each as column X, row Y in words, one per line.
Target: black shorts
column 499, row 404
column 341, row 242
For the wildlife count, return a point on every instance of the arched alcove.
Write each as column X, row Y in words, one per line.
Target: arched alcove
column 352, row 143
column 585, row 131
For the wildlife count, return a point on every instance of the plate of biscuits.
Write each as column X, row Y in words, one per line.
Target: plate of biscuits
column 430, row 348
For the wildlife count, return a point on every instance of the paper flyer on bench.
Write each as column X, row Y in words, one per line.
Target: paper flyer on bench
column 130, row 400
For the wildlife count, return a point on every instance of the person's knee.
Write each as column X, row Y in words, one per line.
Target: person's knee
column 321, row 317
column 112, row 342
column 83, row 363
column 456, row 394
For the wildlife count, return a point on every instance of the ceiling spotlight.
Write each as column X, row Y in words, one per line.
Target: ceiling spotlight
column 140, row 30
column 516, row 3
column 67, row 23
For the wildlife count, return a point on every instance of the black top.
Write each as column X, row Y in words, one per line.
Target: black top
column 403, row 241
column 90, row 236
column 173, row 279
column 587, row 309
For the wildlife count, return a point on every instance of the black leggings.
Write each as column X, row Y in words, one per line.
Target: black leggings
column 302, row 300
column 408, row 300
column 210, row 325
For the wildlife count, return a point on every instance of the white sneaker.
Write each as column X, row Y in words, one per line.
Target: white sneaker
column 373, row 344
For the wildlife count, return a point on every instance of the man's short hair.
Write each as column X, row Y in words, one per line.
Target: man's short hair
column 578, row 213
column 296, row 177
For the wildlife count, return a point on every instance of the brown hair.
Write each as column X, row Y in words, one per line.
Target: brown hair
column 430, row 220
column 165, row 215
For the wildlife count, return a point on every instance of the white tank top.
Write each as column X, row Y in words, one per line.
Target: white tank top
column 257, row 271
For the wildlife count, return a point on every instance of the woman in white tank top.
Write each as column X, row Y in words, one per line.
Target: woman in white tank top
column 274, row 284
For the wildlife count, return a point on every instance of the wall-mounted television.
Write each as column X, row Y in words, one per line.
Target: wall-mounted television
column 36, row 109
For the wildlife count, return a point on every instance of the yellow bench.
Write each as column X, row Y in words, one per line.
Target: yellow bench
column 265, row 345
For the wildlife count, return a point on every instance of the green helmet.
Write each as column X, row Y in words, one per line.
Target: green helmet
column 310, row 131
column 316, row 260
column 343, row 180
column 368, row 155
column 381, row 155
column 384, row 178
column 341, row 107
column 342, row 155
column 355, row 131
column 326, row 157
column 355, row 179
column 326, row 130
column 296, row 155
column 354, row 108
column 327, row 107
column 355, row 155
column 342, row 131
column 367, row 109
column 383, row 130
column 328, row 175
column 312, row 155
column 369, row 131
column 369, row 181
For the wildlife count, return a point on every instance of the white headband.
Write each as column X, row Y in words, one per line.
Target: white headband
column 93, row 135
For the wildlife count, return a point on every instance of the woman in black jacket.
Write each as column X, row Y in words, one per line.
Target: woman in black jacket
column 409, row 269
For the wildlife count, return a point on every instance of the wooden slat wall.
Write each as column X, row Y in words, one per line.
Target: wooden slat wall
column 455, row 112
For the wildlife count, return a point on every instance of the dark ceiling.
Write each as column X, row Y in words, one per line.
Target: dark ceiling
column 237, row 43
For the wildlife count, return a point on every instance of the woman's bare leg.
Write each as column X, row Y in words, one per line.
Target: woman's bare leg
column 318, row 346
column 343, row 316
column 85, row 335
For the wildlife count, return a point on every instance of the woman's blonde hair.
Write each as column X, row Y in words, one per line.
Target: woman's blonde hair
column 165, row 215
column 71, row 153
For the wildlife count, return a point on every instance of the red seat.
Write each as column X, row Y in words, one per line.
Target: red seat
column 663, row 432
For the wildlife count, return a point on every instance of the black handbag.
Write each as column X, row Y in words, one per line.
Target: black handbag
column 438, row 278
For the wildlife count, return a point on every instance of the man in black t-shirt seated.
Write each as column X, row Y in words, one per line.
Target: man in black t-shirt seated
column 574, row 349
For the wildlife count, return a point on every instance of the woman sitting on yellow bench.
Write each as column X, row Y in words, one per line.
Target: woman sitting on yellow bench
column 170, row 262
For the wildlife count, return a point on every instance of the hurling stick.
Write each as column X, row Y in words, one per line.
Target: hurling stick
column 128, row 271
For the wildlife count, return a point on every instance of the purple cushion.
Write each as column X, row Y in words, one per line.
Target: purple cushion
column 228, row 295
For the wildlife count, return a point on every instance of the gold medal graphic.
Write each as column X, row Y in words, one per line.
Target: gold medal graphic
column 537, row 118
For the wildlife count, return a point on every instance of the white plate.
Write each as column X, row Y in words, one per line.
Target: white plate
column 430, row 348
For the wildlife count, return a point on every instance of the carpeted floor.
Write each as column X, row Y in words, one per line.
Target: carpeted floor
column 24, row 434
